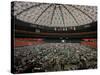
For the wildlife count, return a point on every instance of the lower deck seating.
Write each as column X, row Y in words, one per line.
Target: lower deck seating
column 54, row 57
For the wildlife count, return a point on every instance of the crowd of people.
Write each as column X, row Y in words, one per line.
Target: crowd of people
column 54, row 57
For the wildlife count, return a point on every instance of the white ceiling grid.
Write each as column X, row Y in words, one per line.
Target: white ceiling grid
column 55, row 15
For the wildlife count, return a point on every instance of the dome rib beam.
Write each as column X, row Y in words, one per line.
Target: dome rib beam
column 53, row 14
column 28, row 9
column 62, row 15
column 71, row 14
column 83, row 12
column 42, row 13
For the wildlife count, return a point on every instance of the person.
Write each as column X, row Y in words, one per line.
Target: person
column 62, row 64
column 82, row 63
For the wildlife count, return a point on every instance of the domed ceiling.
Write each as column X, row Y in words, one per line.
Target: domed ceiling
column 55, row 15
